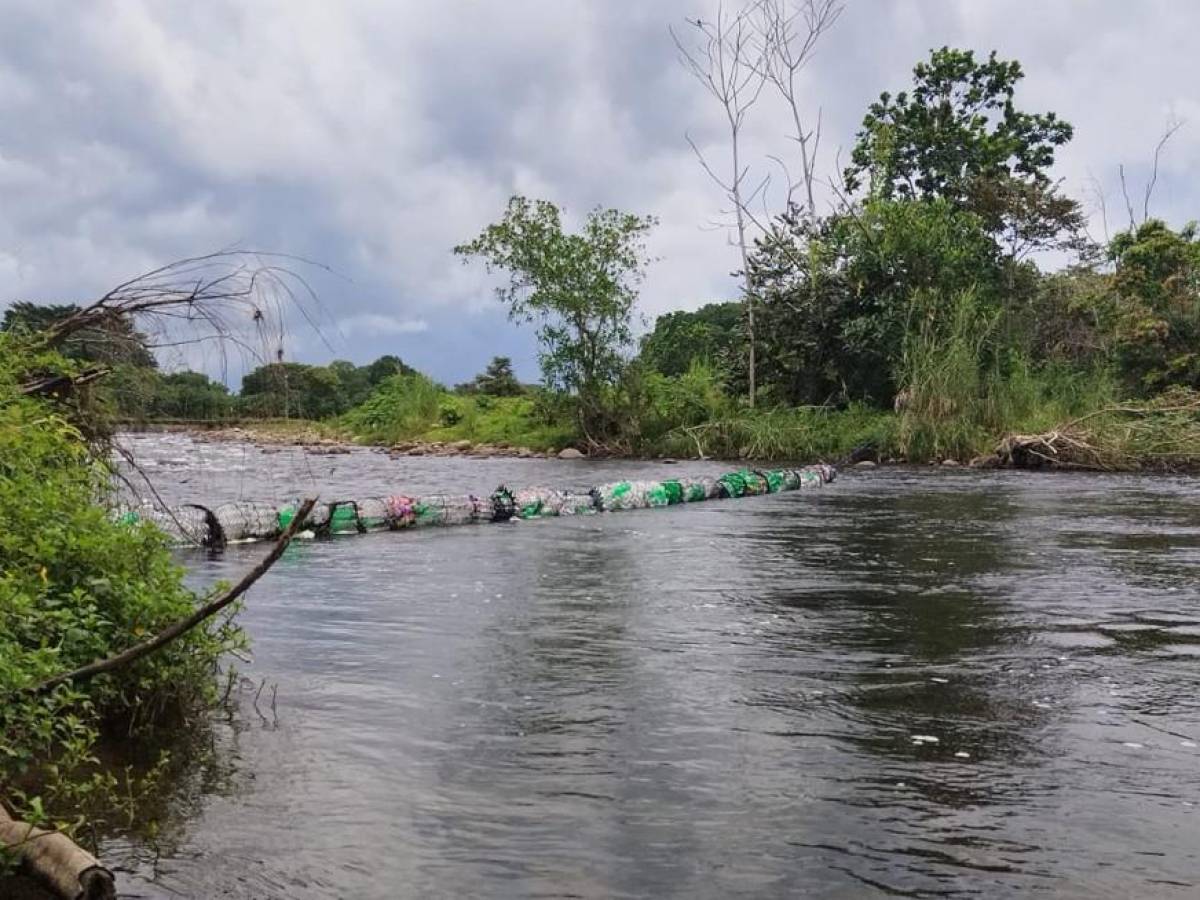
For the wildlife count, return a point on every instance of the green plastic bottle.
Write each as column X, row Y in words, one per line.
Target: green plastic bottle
column 343, row 520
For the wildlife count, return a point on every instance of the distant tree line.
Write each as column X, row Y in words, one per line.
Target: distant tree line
column 138, row 390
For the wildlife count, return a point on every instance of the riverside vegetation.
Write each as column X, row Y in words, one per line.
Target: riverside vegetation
column 76, row 587
column 912, row 323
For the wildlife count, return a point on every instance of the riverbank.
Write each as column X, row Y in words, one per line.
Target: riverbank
column 1160, row 435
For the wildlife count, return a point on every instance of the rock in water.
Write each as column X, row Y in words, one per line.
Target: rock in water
column 569, row 453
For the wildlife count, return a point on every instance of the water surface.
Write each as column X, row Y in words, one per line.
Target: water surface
column 906, row 683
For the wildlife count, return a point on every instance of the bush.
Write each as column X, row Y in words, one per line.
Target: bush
column 402, row 407
column 77, row 586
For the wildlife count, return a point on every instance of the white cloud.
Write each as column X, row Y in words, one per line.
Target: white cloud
column 373, row 136
column 375, row 324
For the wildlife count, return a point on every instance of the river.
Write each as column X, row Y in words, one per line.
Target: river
column 920, row 683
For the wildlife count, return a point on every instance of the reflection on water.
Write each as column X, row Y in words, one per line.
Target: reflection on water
column 904, row 684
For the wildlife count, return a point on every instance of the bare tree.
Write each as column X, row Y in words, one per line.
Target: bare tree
column 727, row 58
column 1173, row 125
column 789, row 31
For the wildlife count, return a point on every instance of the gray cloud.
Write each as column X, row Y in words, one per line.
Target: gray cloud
column 373, row 136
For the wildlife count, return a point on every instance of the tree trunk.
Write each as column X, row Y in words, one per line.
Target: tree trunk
column 56, row 861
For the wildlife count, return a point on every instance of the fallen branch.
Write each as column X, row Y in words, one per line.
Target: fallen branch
column 57, row 861
column 61, row 385
column 182, row 626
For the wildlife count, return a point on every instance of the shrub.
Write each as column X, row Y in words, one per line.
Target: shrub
column 76, row 586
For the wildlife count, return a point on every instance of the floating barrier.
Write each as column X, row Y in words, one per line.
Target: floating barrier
column 255, row 521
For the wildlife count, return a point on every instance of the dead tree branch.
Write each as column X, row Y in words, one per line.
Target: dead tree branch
column 789, row 31
column 1172, row 127
column 728, row 61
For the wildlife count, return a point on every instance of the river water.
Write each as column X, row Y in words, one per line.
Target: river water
column 906, row 683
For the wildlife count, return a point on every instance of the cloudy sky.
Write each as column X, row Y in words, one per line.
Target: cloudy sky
column 373, row 135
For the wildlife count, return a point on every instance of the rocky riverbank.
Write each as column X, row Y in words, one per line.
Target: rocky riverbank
column 321, row 442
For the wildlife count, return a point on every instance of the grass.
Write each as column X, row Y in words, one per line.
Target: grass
column 414, row 408
column 803, row 434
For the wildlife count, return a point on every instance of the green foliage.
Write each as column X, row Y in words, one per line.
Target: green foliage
column 799, row 434
column 141, row 394
column 579, row 287
column 958, row 136
column 1157, row 279
column 118, row 342
column 497, row 380
column 403, row 407
column 412, row 407
column 943, row 373
column 956, row 125
column 654, row 405
column 77, row 586
column 1070, row 318
column 525, row 421
column 836, row 294
column 712, row 334
column 385, row 367
column 293, row 390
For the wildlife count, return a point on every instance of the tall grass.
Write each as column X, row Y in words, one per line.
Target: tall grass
column 944, row 387
column 402, row 407
column 800, row 434
column 962, row 390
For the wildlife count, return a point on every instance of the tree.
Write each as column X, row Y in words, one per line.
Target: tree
column 497, row 380
column 113, row 342
column 385, row 367
column 957, row 135
column 354, row 383
column 579, row 287
column 838, row 293
column 293, row 390
column 1157, row 280
column 731, row 64
column 712, row 334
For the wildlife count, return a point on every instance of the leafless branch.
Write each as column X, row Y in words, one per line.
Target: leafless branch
column 1125, row 194
column 728, row 60
column 789, row 31
column 1172, row 127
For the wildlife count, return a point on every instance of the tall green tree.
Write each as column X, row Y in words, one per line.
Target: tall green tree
column 957, row 124
column 1157, row 280
column 497, row 380
column 293, row 390
column 837, row 293
column 579, row 287
column 712, row 334
column 958, row 135
column 385, row 367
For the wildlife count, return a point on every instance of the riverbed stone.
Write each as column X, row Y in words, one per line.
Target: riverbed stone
column 864, row 464
column 569, row 453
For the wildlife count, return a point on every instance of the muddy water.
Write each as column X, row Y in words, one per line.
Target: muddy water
column 907, row 683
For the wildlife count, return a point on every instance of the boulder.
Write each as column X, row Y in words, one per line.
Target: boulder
column 864, row 464
column 569, row 453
